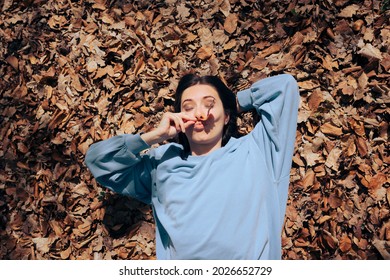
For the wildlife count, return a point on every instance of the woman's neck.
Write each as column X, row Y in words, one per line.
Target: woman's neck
column 204, row 149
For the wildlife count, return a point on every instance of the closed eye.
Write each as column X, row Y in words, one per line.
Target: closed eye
column 188, row 108
column 210, row 102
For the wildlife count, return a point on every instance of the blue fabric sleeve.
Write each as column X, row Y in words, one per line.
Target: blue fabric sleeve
column 116, row 164
column 276, row 100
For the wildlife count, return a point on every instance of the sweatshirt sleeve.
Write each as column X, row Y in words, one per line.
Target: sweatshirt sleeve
column 276, row 100
column 116, row 164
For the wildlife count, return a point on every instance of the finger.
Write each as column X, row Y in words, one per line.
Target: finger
column 181, row 123
column 165, row 122
column 176, row 122
column 186, row 117
column 182, row 126
column 189, row 123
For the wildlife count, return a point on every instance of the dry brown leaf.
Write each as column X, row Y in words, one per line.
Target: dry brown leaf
column 270, row 50
column 334, row 201
column 358, row 24
column 329, row 63
column 370, row 52
column 13, row 61
column 99, row 6
column 315, row 99
column 139, row 120
column 204, row 52
column 330, row 240
column 66, row 253
column 331, row 129
column 332, row 160
column 57, row 21
column 385, row 62
column 219, row 37
column 358, row 127
column 92, row 66
column 230, row 45
column 383, row 247
column 57, row 119
column 348, row 90
column 312, row 158
column 259, row 63
column 345, row 243
column 107, row 19
column 42, row 244
column 349, row 11
column 323, row 219
column 55, row 225
column 363, row 80
column 309, row 178
column 85, row 242
column 183, row 11
column 225, row 7
column 362, row 146
column 376, row 186
column 139, row 67
column 230, row 24
column 308, row 85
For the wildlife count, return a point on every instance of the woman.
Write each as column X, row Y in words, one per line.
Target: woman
column 214, row 196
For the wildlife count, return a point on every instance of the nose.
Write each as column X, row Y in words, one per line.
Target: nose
column 201, row 114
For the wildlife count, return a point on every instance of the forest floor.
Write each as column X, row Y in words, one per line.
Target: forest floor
column 74, row 72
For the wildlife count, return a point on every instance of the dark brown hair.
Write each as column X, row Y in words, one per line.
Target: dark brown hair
column 227, row 97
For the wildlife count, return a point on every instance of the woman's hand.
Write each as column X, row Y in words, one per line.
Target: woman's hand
column 171, row 124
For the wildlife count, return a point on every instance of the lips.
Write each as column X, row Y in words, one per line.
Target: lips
column 199, row 126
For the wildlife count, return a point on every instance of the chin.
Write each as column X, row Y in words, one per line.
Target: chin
column 202, row 138
column 198, row 138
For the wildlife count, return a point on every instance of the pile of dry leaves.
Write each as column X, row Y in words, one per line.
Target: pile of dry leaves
column 77, row 71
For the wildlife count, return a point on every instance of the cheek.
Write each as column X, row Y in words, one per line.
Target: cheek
column 220, row 115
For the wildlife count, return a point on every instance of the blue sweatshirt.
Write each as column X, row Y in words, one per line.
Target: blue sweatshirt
column 228, row 204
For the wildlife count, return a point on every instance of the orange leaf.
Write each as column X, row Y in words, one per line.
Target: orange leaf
column 230, row 24
column 345, row 243
column 349, row 11
column 376, row 186
column 362, row 146
column 139, row 120
column 315, row 99
column 334, row 201
column 13, row 61
column 332, row 160
column 204, row 52
column 259, row 63
column 309, row 179
column 229, row 45
column 351, row 148
column 309, row 84
column 330, row 240
column 139, row 67
column 66, row 253
column 378, row 181
column 358, row 127
column 323, row 219
column 331, row 129
column 270, row 50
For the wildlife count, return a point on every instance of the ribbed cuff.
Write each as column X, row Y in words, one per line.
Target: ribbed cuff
column 135, row 143
column 245, row 99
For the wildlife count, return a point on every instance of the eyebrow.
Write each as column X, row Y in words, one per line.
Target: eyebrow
column 205, row 97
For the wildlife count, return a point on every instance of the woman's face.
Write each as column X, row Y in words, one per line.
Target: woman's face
column 203, row 103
